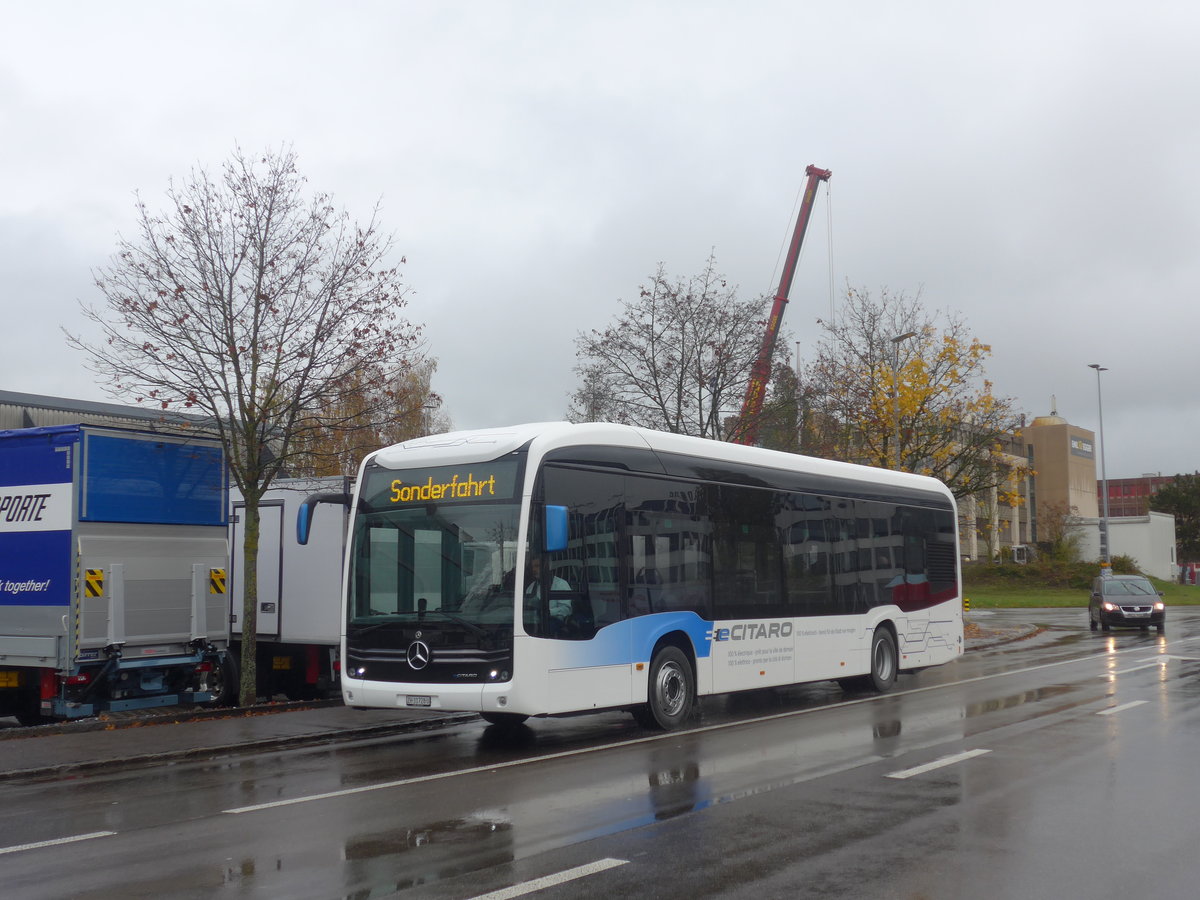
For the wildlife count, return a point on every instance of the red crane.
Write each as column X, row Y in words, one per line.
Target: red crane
column 747, row 430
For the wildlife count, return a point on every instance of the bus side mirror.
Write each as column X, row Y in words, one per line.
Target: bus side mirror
column 308, row 509
column 556, row 528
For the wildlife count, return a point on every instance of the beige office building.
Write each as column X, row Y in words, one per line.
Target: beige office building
column 1064, row 458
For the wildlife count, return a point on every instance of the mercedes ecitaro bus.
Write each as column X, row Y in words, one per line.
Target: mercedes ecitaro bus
column 552, row 569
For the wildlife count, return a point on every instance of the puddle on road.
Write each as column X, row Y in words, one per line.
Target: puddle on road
column 1036, row 695
column 402, row 840
column 431, row 852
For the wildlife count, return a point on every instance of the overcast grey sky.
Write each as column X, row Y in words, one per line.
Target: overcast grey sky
column 1033, row 166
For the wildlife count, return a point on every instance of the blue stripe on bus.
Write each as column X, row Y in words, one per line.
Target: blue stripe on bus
column 633, row 640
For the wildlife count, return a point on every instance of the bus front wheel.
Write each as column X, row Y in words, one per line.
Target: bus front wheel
column 672, row 688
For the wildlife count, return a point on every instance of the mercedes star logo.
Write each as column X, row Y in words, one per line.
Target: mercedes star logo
column 418, row 654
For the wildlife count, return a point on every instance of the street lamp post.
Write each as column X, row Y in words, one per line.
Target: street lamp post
column 896, row 341
column 1105, row 552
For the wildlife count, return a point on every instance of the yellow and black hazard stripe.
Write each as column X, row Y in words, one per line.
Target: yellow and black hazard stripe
column 216, row 581
column 77, row 602
column 93, row 583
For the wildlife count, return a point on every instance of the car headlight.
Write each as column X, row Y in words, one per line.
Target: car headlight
column 1110, row 607
column 1159, row 606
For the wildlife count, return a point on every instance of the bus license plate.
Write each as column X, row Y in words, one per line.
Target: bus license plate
column 419, row 701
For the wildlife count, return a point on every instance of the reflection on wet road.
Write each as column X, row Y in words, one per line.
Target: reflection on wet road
column 793, row 784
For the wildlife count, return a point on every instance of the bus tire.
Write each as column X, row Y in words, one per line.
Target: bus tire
column 884, row 660
column 672, row 690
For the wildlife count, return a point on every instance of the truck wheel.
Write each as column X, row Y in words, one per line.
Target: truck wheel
column 29, row 712
column 225, row 679
column 672, row 688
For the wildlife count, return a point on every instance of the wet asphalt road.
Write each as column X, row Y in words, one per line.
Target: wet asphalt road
column 1057, row 766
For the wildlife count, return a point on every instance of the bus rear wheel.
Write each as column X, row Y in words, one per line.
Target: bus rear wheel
column 672, row 691
column 884, row 665
column 884, row 660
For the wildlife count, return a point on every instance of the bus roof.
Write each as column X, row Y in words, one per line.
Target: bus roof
column 543, row 437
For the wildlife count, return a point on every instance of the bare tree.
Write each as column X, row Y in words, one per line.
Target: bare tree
column 922, row 400
column 677, row 359
column 256, row 305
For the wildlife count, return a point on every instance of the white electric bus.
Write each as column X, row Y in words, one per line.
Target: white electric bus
column 551, row 569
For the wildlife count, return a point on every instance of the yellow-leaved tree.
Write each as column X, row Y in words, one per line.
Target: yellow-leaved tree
column 896, row 387
column 350, row 426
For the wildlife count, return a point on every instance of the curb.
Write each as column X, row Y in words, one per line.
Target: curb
column 161, row 716
column 1006, row 636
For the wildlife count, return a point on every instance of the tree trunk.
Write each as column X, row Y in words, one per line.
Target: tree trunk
column 248, row 689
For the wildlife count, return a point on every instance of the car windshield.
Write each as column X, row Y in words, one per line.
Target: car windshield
column 1138, row 588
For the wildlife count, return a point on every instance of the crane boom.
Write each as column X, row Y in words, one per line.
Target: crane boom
column 747, row 431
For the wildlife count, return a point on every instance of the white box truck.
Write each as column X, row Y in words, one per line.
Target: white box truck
column 299, row 589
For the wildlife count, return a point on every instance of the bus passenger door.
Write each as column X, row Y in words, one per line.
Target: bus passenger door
column 587, row 643
column 586, row 669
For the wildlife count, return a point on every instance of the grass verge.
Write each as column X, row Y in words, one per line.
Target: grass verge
column 1047, row 584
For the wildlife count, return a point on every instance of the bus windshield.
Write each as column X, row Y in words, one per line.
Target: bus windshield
column 451, row 558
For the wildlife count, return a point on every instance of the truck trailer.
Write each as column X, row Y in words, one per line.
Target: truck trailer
column 113, row 553
column 299, row 589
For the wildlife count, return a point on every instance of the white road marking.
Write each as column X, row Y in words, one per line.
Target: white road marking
column 420, row 779
column 1153, row 665
column 538, row 884
column 937, row 764
column 57, row 841
column 1124, row 706
column 1150, row 662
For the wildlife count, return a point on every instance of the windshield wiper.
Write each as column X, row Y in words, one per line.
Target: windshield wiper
column 363, row 629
